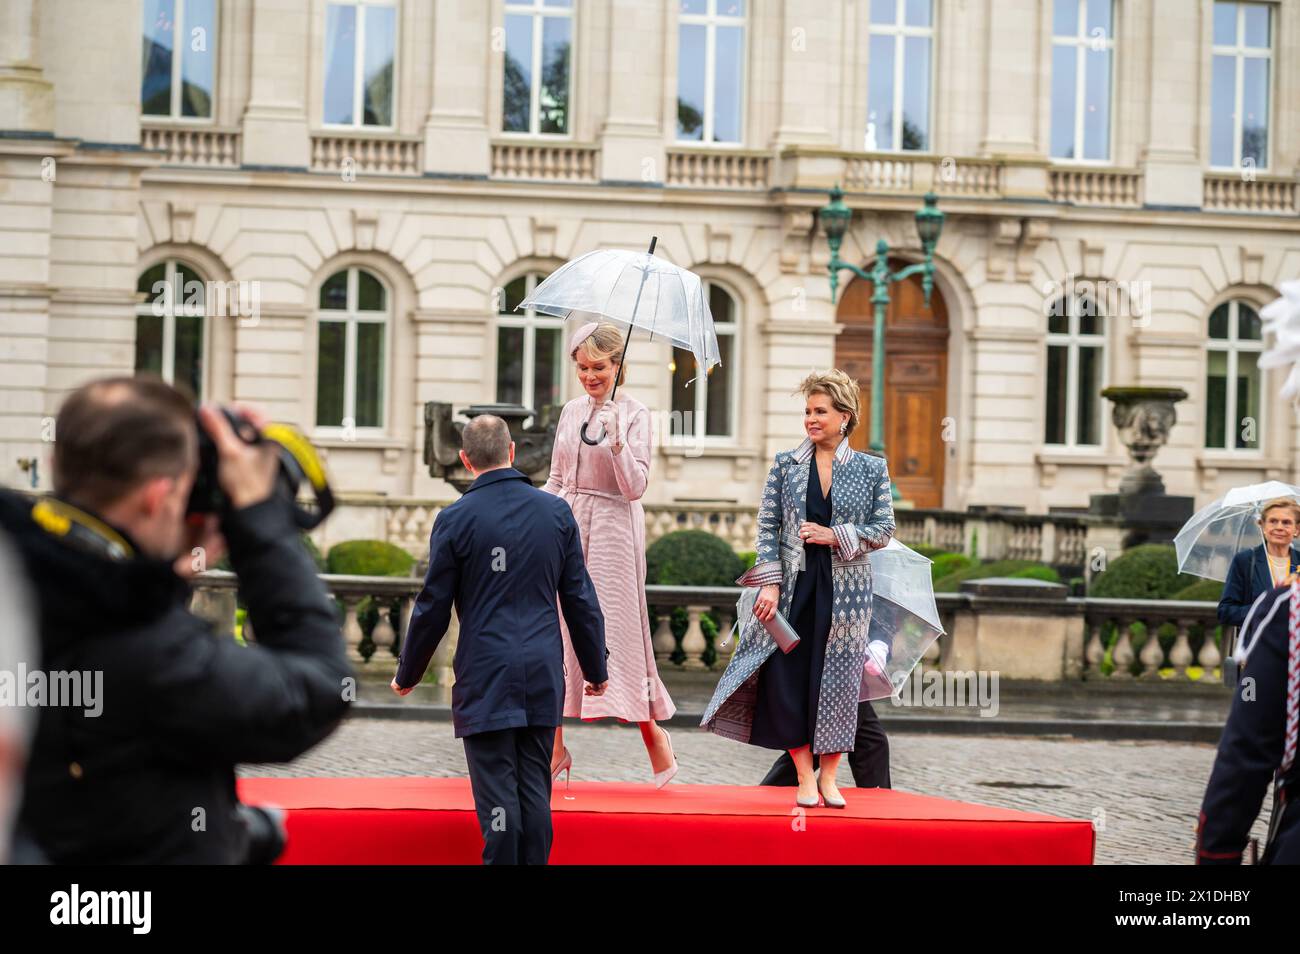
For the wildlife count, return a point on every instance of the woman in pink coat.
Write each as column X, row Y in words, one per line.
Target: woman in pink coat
column 603, row 485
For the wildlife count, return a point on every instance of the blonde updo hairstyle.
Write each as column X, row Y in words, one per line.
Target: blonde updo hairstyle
column 840, row 388
column 606, row 342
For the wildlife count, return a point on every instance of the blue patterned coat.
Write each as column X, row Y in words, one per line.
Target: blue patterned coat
column 862, row 517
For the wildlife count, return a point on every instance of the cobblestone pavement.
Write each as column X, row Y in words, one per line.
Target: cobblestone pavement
column 1143, row 795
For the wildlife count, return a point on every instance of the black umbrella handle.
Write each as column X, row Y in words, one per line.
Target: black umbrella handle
column 587, row 440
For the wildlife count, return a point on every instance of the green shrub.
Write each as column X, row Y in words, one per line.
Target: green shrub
column 927, row 551
column 369, row 558
column 314, row 552
column 1147, row 572
column 750, row 557
column 945, row 563
column 952, row 582
column 1206, row 591
column 692, row 558
column 1039, row 572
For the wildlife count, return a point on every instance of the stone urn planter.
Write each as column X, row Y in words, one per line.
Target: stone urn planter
column 1144, row 418
column 532, row 444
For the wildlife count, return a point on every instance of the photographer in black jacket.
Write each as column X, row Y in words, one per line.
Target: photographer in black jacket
column 149, row 778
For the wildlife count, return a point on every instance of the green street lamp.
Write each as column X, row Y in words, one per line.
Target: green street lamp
column 835, row 222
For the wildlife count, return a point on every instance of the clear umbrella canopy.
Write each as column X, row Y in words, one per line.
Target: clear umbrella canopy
column 1219, row 531
column 903, row 615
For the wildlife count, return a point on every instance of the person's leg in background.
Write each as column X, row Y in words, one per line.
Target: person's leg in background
column 493, row 777
column 869, row 760
column 533, row 746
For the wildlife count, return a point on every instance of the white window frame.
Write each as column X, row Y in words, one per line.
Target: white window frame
column 900, row 31
column 1083, row 42
column 359, row 66
column 178, row 64
column 1240, row 54
column 711, row 20
column 537, row 11
column 1073, row 339
column 1232, row 346
column 179, row 308
column 700, row 386
column 530, row 321
column 351, row 317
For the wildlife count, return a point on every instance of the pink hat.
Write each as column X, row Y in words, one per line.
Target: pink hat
column 582, row 334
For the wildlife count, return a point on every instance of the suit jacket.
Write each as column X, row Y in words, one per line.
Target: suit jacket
column 501, row 554
column 1248, row 576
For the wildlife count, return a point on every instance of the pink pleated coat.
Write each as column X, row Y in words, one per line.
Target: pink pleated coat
column 604, row 490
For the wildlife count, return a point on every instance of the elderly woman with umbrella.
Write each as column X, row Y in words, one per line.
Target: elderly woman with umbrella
column 825, row 508
column 603, row 476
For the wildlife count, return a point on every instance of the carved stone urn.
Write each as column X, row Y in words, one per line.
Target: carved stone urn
column 532, row 444
column 1144, row 418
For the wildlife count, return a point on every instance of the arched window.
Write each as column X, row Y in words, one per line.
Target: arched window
column 530, row 349
column 352, row 348
column 170, row 332
column 1232, row 378
column 1076, row 362
column 706, row 408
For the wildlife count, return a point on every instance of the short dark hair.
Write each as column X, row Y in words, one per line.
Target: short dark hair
column 486, row 441
column 113, row 434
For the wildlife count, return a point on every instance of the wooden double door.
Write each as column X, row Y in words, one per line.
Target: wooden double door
column 916, row 375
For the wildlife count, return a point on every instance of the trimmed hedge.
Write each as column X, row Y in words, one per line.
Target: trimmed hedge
column 1206, row 591
column 1146, row 572
column 945, row 563
column 369, row 558
column 692, row 558
column 952, row 582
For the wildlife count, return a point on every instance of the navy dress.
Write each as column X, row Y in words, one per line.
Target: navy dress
column 789, row 684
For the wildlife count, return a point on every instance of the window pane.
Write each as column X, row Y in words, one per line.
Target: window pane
column 880, row 93
column 370, row 293
column 1058, row 317
column 156, row 57
column 1065, row 18
column 556, row 47
column 329, row 374
column 510, row 365
column 1063, row 101
column 1087, row 398
column 917, row 13
column 153, row 283
column 1219, row 322
column 190, row 292
column 1247, row 423
column 1056, row 373
column 334, row 293
column 916, row 92
column 1225, row 24
column 1257, row 25
column 884, row 11
column 515, row 293
column 718, row 405
column 381, row 46
column 690, row 81
column 1248, row 326
column 682, row 419
column 370, row 374
column 1254, row 102
column 547, row 367
column 721, row 306
column 188, row 363
column 731, row 8
column 148, row 344
column 340, row 62
column 1089, row 316
column 517, row 92
column 198, row 63
column 729, row 65
column 1099, row 14
column 558, row 3
column 1096, row 105
column 695, row 6
column 1216, row 398
column 1223, row 91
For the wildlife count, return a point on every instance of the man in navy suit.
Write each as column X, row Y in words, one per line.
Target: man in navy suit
column 501, row 554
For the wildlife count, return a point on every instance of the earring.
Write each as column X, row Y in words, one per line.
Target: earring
column 844, row 426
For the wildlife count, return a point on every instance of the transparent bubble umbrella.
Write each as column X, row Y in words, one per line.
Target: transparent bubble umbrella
column 903, row 616
column 637, row 291
column 1219, row 531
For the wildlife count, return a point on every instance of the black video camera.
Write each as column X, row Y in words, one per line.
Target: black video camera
column 299, row 462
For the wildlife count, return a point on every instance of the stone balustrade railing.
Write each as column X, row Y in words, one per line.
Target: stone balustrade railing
column 1249, row 192
column 1138, row 624
column 1055, row 539
column 1095, row 185
column 545, row 161
column 366, row 154
column 719, row 168
column 184, row 145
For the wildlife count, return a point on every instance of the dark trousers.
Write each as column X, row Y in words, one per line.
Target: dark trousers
column 869, row 760
column 510, row 774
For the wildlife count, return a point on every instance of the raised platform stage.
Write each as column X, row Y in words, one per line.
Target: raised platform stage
column 403, row 820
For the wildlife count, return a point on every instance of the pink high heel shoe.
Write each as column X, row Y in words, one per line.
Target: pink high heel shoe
column 664, row 777
column 565, row 765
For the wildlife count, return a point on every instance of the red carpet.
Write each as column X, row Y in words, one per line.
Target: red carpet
column 431, row 821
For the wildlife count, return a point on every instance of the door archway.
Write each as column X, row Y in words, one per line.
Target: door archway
column 916, row 378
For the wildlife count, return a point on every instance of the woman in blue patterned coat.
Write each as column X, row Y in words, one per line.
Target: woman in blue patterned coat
column 825, row 507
